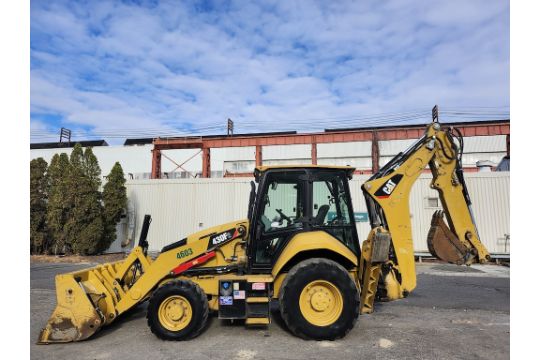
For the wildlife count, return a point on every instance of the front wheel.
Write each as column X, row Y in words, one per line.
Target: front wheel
column 178, row 310
column 318, row 300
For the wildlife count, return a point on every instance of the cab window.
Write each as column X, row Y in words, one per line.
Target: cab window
column 283, row 206
column 330, row 203
column 282, row 214
column 331, row 206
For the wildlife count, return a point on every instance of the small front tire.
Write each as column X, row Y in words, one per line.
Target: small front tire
column 178, row 310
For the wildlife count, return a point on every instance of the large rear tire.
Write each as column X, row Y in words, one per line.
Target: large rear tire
column 318, row 300
column 178, row 310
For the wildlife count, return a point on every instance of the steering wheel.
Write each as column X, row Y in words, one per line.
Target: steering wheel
column 284, row 217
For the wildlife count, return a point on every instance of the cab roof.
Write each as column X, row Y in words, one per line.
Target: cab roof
column 261, row 169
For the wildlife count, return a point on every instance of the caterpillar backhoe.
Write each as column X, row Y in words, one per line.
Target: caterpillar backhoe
column 298, row 246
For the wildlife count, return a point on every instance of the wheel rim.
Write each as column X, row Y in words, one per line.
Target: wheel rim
column 321, row 303
column 175, row 313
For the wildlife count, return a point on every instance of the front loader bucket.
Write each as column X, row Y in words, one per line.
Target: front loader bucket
column 75, row 317
column 443, row 244
column 87, row 299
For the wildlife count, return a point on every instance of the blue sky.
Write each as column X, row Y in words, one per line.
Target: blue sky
column 111, row 69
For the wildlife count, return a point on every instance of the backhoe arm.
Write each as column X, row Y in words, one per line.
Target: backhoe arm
column 459, row 242
column 387, row 197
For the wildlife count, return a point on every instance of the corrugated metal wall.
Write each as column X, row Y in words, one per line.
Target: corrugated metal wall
column 286, row 154
column 134, row 159
column 180, row 207
column 355, row 153
column 490, row 196
column 232, row 160
column 476, row 148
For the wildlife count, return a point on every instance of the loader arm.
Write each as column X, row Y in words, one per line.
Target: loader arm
column 91, row 298
column 392, row 275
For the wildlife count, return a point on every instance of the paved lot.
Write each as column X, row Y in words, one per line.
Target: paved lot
column 455, row 313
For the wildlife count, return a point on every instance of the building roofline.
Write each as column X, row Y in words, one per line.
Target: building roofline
column 142, row 141
column 150, row 140
column 423, row 125
column 60, row 145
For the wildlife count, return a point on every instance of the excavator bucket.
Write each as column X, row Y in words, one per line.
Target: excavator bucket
column 443, row 244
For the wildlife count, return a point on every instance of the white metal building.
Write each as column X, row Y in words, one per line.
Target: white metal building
column 136, row 160
column 180, row 207
column 182, row 202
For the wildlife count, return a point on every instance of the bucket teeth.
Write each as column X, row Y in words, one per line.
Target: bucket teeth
column 444, row 244
column 75, row 317
column 62, row 330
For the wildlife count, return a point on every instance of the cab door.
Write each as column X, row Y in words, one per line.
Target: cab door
column 331, row 207
column 281, row 212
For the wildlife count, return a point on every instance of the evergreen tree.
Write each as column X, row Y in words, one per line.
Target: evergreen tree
column 114, row 202
column 59, row 202
column 85, row 224
column 38, row 205
column 91, row 169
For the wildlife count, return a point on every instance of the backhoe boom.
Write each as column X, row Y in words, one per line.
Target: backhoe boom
column 387, row 197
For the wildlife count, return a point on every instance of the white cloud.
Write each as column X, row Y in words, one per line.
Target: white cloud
column 117, row 66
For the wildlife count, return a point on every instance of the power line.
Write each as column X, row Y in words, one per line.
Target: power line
column 372, row 120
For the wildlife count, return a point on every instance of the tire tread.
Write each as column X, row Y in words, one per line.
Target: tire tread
column 185, row 285
column 314, row 265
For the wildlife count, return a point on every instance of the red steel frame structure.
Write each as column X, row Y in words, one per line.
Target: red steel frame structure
column 330, row 136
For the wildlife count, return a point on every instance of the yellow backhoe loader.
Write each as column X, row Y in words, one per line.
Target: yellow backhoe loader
column 298, row 245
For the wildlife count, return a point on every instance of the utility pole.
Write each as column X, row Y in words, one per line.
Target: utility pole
column 230, row 127
column 65, row 134
column 435, row 113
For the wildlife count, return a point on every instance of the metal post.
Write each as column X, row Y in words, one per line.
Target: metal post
column 156, row 164
column 206, row 171
column 313, row 151
column 374, row 152
column 258, row 155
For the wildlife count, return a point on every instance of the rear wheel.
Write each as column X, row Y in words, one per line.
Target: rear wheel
column 318, row 300
column 178, row 310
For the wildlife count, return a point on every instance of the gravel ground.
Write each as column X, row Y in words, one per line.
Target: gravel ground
column 454, row 313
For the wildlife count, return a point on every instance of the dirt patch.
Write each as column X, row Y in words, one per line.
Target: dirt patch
column 385, row 343
column 74, row 259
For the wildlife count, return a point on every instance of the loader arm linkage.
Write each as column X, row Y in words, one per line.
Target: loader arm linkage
column 392, row 275
column 89, row 299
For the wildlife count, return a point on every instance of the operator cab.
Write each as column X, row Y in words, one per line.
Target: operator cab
column 294, row 199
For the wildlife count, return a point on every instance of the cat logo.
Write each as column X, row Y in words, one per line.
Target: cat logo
column 388, row 187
